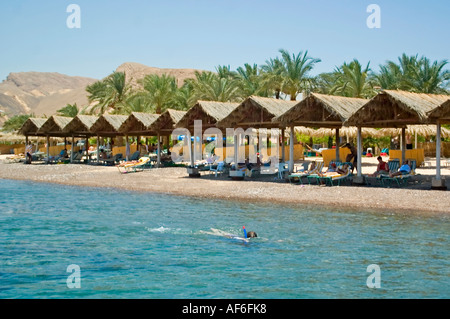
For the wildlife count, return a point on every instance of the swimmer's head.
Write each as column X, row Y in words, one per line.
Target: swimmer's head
column 251, row 234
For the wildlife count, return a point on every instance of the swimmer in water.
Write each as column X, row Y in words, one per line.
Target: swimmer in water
column 251, row 234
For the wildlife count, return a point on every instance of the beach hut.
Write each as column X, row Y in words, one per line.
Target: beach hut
column 202, row 116
column 137, row 124
column 439, row 115
column 54, row 127
column 80, row 126
column 391, row 108
column 108, row 125
column 320, row 110
column 164, row 126
column 257, row 112
column 30, row 128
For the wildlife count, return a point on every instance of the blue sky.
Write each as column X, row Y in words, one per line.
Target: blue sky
column 203, row 34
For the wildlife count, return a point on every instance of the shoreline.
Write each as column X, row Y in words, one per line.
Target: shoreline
column 174, row 181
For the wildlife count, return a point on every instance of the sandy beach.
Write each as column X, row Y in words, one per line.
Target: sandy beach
column 416, row 198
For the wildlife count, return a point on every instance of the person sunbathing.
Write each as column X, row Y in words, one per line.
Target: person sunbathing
column 382, row 167
column 341, row 170
column 405, row 169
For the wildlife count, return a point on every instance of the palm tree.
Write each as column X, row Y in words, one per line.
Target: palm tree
column 271, row 76
column 184, row 97
column 138, row 102
column 70, row 110
column 250, row 81
column 353, row 80
column 209, row 86
column 110, row 93
column 414, row 74
column 160, row 91
column 429, row 77
column 15, row 122
column 296, row 78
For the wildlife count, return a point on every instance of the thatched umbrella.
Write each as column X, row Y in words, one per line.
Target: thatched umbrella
column 348, row 131
column 418, row 130
column 391, row 108
column 320, row 110
column 258, row 112
column 209, row 113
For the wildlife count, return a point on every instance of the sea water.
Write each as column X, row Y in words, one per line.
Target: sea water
column 142, row 245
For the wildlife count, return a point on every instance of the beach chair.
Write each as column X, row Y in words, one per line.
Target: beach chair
column 133, row 166
column 335, row 179
column 401, row 180
column 77, row 157
column 135, row 156
column 113, row 160
column 312, row 175
column 282, row 167
column 218, row 170
column 299, row 173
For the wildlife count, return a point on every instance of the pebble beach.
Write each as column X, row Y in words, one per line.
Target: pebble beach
column 416, row 198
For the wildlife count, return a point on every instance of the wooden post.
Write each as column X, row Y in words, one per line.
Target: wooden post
column 403, row 144
column 159, row 151
column 283, row 155
column 127, row 148
column 71, row 150
column 87, row 148
column 98, row 149
column 438, row 151
column 337, row 145
column 291, row 150
column 48, row 149
column 359, row 150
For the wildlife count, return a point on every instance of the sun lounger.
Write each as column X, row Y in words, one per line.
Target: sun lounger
column 334, row 179
column 308, row 174
column 133, row 166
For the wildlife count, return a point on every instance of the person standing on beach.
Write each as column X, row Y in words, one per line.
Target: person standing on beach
column 352, row 156
column 409, row 145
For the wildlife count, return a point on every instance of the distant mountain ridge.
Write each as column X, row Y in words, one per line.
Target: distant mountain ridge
column 43, row 93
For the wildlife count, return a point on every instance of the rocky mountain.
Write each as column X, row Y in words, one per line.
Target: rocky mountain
column 43, row 93
column 40, row 93
column 135, row 71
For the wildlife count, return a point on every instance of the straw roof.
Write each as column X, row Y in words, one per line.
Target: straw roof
column 441, row 113
column 167, row 120
column 55, row 125
column 81, row 125
column 32, row 126
column 108, row 125
column 256, row 111
column 422, row 130
column 348, row 131
column 320, row 110
column 138, row 123
column 209, row 112
column 396, row 109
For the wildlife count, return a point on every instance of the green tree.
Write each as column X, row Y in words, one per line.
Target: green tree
column 272, row 76
column 110, row 93
column 15, row 122
column 414, row 74
column 209, row 86
column 70, row 110
column 353, row 80
column 160, row 91
column 296, row 73
column 250, row 81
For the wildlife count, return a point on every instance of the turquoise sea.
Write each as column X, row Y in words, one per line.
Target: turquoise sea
column 136, row 245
